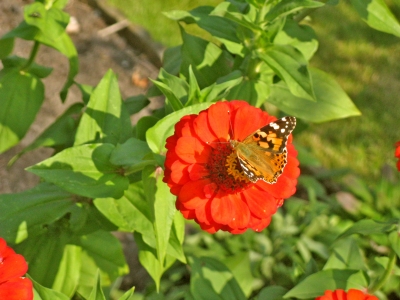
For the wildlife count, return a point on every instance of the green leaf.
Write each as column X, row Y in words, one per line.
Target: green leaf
column 221, row 88
column 368, row 227
column 301, row 37
column 163, row 210
column 44, row 254
column 272, row 293
column 206, row 18
column 6, row 47
column 106, row 119
column 144, row 124
column 346, row 254
column 394, row 241
column 209, row 62
column 21, row 94
column 97, row 293
column 20, row 63
column 29, row 212
column 84, row 170
column 287, row 7
column 291, row 66
column 254, row 91
column 127, row 294
column 332, row 102
column 135, row 104
column 239, row 264
column 211, row 280
column 130, row 213
column 59, row 134
column 109, row 259
column 377, row 15
column 316, row 284
column 42, row 293
column 67, row 278
column 164, row 128
column 133, row 154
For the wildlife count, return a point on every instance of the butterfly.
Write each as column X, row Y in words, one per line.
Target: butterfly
column 263, row 155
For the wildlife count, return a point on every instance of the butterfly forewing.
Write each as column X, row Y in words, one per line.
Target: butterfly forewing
column 263, row 155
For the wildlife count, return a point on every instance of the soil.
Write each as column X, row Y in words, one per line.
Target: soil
column 97, row 54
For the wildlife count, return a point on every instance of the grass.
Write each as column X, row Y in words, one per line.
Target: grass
column 365, row 62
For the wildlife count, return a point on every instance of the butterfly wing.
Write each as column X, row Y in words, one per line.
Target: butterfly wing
column 263, row 155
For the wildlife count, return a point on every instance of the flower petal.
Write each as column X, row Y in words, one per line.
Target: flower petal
column 241, row 214
column 192, row 150
column 12, row 266
column 17, row 289
column 218, row 119
column 204, row 131
column 260, row 202
column 222, row 208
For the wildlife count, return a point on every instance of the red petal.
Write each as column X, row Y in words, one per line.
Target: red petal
column 241, row 215
column 192, row 150
column 14, row 265
column 222, row 208
column 258, row 224
column 283, row 188
column 218, row 120
column 192, row 193
column 203, row 129
column 17, row 289
column 179, row 172
column 247, row 119
column 197, row 171
column 260, row 202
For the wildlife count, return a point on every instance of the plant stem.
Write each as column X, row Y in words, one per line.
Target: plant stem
column 386, row 274
column 32, row 56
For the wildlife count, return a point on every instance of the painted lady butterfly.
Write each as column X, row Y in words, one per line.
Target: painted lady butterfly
column 263, row 155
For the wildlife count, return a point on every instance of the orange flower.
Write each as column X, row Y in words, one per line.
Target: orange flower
column 397, row 154
column 210, row 186
column 352, row 294
column 12, row 267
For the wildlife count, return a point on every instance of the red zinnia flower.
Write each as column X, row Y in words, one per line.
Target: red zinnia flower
column 397, row 154
column 202, row 170
column 352, row 294
column 12, row 267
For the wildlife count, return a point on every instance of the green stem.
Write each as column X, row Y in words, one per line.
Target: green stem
column 388, row 272
column 32, row 56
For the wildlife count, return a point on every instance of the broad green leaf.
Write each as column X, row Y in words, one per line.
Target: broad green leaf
column 108, row 259
column 134, row 155
column 272, row 293
column 144, row 124
column 368, row 227
column 105, row 119
column 239, row 264
column 44, row 254
column 30, row 212
column 209, row 62
column 21, row 94
column 135, row 104
column 42, row 293
column 67, row 277
column 175, row 242
column 194, row 89
column 377, row 15
column 176, row 84
column 164, row 128
column 97, row 292
column 84, row 170
column 302, row 37
column 332, row 102
column 284, row 8
column 172, row 60
column 316, row 284
column 6, row 47
column 255, row 92
column 163, row 210
column 291, row 66
column 130, row 213
column 211, row 280
column 346, row 254
column 59, row 134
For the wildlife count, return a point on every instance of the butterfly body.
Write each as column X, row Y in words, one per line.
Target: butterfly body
column 263, row 155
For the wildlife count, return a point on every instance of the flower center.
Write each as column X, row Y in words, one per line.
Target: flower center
column 224, row 169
